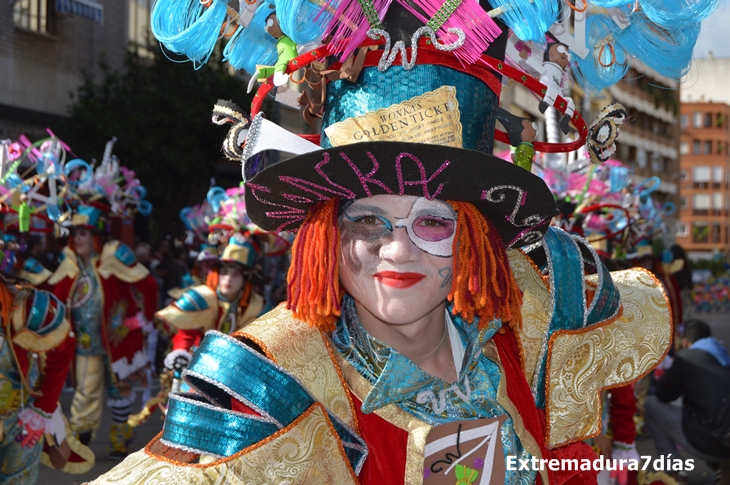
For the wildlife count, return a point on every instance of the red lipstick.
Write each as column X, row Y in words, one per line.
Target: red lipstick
column 398, row 280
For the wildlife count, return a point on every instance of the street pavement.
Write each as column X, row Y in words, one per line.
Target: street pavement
column 720, row 324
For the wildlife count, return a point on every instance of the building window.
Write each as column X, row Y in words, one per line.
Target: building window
column 641, row 158
column 701, row 201
column 683, row 202
column 700, row 232
column 717, row 174
column 657, row 164
column 683, row 122
column 707, row 148
column 684, row 148
column 708, row 120
column 696, row 147
column 697, row 120
column 700, row 174
column 31, row 15
column 682, row 230
column 683, row 175
column 717, row 201
column 716, row 232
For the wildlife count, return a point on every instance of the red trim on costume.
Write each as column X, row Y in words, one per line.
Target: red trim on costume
column 533, row 419
column 623, row 408
column 186, row 339
column 58, row 363
column 387, row 445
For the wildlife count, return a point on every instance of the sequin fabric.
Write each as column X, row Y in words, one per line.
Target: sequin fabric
column 375, row 90
column 397, row 380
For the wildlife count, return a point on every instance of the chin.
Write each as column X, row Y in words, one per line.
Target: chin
column 402, row 312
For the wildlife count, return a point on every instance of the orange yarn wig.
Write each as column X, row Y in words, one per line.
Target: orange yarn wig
column 483, row 284
column 314, row 293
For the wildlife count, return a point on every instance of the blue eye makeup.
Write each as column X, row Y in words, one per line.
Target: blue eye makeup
column 361, row 218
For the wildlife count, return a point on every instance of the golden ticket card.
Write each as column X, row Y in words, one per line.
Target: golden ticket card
column 432, row 117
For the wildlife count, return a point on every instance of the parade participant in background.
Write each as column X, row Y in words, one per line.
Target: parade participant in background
column 95, row 280
column 230, row 217
column 205, row 261
column 36, row 351
column 227, row 302
column 24, row 251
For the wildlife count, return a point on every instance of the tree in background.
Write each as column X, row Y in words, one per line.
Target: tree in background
column 160, row 112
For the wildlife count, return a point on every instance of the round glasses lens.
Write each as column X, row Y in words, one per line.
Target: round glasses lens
column 433, row 229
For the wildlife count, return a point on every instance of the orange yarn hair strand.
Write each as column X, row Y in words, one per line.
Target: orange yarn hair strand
column 314, row 294
column 211, row 281
column 483, row 283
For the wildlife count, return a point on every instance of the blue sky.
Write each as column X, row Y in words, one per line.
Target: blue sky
column 714, row 34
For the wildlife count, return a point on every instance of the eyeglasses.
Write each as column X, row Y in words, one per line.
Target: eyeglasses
column 430, row 225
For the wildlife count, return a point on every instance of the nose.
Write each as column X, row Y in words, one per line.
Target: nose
column 400, row 249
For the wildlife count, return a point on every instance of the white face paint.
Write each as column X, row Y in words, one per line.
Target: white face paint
column 396, row 255
column 430, row 225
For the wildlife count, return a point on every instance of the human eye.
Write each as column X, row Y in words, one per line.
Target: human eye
column 369, row 220
column 432, row 221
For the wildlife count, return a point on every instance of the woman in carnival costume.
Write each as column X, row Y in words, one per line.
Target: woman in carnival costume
column 96, row 279
column 417, row 344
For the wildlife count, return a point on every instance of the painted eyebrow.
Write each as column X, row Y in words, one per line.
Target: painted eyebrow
column 442, row 213
column 367, row 208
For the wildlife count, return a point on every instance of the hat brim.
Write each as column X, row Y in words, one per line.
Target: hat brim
column 517, row 202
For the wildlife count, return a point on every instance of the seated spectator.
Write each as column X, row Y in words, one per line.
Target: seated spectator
column 700, row 374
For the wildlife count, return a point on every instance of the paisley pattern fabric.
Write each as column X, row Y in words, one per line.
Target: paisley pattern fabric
column 397, row 380
column 307, row 359
column 582, row 363
column 535, row 308
column 308, row 452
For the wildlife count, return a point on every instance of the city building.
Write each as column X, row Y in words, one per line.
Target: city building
column 45, row 47
column 704, row 227
column 649, row 142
